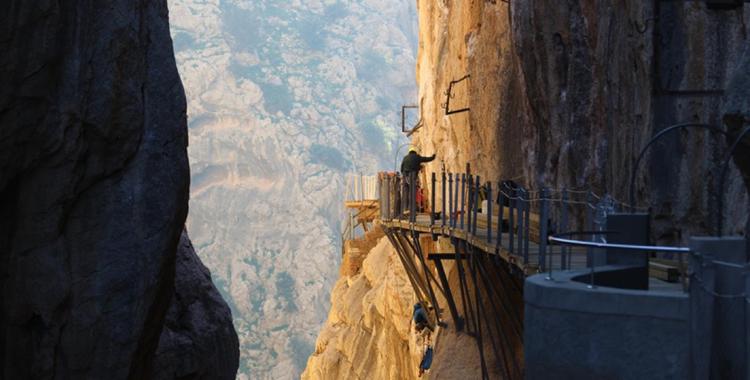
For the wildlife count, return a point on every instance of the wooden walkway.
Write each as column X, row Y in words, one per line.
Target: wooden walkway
column 576, row 257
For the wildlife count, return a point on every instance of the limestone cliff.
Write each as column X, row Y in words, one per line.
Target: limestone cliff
column 94, row 185
column 566, row 96
column 369, row 333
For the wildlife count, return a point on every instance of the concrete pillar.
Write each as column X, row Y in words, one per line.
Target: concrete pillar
column 717, row 308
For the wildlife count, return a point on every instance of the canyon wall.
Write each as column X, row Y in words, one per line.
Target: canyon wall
column 565, row 95
column 369, row 333
column 94, row 183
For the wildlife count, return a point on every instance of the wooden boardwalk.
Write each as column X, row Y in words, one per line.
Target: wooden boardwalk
column 576, row 257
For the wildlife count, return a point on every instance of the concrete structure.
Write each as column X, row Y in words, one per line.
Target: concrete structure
column 574, row 331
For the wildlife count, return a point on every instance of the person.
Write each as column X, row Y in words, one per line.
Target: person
column 412, row 163
column 420, row 317
column 426, row 362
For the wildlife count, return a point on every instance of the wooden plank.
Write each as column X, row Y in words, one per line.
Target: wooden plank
column 663, row 272
column 367, row 203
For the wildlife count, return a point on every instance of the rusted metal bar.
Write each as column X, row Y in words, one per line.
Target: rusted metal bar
column 427, row 275
column 505, row 342
column 397, row 246
column 412, row 197
column 455, row 203
column 469, row 200
column 450, row 199
column 462, row 282
column 479, row 312
column 432, row 203
column 463, row 198
column 443, row 214
column 501, row 211
column 449, row 95
column 475, row 205
column 489, row 212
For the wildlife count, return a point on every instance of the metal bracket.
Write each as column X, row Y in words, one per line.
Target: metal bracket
column 449, row 94
column 403, row 118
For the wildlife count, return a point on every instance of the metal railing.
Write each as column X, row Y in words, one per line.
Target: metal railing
column 512, row 217
column 558, row 238
column 361, row 187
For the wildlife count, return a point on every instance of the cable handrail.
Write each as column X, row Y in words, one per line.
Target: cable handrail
column 634, row 247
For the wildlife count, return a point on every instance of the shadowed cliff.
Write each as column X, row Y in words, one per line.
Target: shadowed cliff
column 94, row 185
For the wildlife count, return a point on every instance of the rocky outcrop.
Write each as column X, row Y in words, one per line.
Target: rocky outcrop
column 368, row 334
column 566, row 96
column 93, row 187
column 198, row 340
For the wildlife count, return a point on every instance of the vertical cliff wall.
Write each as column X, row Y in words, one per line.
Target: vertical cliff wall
column 369, row 333
column 566, row 95
column 93, row 194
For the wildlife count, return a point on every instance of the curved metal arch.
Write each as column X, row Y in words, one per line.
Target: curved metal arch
column 656, row 137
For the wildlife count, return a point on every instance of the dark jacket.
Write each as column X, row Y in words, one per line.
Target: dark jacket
column 412, row 162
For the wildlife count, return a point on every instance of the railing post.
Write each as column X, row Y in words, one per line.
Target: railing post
column 463, row 198
column 590, row 252
column 412, row 197
column 450, row 199
column 520, row 219
column 455, row 203
column 543, row 218
column 501, row 211
column 361, row 187
column 476, row 201
column 511, row 218
column 469, row 195
column 489, row 212
column 564, row 256
column 402, row 196
column 526, row 220
column 442, row 206
column 389, row 191
column 432, row 199
column 589, row 227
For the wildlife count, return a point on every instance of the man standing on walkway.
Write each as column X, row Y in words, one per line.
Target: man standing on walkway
column 412, row 163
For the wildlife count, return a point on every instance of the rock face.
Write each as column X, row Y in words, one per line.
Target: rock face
column 94, row 183
column 369, row 334
column 198, row 340
column 566, row 97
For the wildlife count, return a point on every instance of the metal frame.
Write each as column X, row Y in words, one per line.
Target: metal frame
column 449, row 95
column 403, row 118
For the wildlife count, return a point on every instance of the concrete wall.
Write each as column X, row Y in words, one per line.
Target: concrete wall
column 572, row 331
